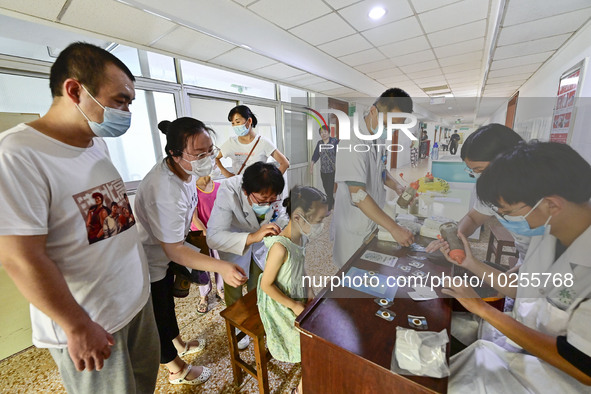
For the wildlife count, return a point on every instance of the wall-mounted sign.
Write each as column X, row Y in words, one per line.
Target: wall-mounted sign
column 563, row 117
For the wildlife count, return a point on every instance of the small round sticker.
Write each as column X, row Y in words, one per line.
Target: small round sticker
column 385, row 314
column 384, row 301
column 417, row 322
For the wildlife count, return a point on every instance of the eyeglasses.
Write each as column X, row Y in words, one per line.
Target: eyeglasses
column 212, row 152
column 263, row 203
column 496, row 209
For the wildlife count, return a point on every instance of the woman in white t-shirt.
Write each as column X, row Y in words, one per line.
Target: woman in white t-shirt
column 247, row 144
column 164, row 207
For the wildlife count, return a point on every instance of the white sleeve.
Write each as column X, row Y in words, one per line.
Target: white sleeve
column 481, row 207
column 227, row 148
column 577, row 331
column 219, row 227
column 267, row 146
column 165, row 214
column 24, row 196
column 351, row 166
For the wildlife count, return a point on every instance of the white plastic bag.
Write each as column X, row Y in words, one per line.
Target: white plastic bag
column 420, row 353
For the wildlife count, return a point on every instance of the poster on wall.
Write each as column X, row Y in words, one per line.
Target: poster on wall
column 563, row 117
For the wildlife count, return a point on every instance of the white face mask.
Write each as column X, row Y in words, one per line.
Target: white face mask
column 241, row 130
column 315, row 229
column 200, row 167
column 115, row 122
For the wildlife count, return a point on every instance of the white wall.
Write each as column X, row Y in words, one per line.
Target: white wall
column 538, row 96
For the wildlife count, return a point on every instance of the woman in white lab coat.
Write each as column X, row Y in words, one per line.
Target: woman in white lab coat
column 361, row 176
column 546, row 343
column 246, row 210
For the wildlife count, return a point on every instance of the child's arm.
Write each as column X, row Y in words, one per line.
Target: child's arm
column 198, row 223
column 275, row 259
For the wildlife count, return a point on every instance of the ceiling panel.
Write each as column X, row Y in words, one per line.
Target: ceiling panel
column 305, row 79
column 413, row 58
column 471, row 57
column 47, row 9
column 337, row 4
column 457, row 34
column 245, row 2
column 376, row 66
column 394, row 81
column 243, row 60
column 426, row 5
column 405, row 47
column 278, row 71
column 460, row 48
column 424, row 74
column 531, row 47
column 430, row 81
column 551, row 26
column 431, row 64
column 287, row 13
column 346, row 45
column 83, row 14
column 388, row 73
column 509, row 78
column 520, row 11
column 324, row 29
column 363, row 57
column 528, row 68
column 192, row 44
column 463, row 67
column 338, row 91
column 394, row 32
column 324, row 86
column 520, row 61
column 357, row 14
column 448, row 16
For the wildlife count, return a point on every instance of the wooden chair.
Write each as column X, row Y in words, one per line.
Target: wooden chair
column 244, row 315
column 498, row 240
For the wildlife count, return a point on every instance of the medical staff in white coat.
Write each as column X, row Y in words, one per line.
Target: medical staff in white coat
column 361, row 175
column 246, row 210
column 546, row 343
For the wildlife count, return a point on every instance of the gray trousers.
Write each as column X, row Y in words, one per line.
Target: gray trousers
column 132, row 366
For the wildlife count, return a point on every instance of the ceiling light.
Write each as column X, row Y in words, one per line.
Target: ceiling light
column 377, row 13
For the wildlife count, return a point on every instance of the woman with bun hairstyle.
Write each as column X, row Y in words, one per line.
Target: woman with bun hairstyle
column 246, row 145
column 164, row 207
column 281, row 295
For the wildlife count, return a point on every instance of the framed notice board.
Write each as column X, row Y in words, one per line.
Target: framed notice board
column 569, row 89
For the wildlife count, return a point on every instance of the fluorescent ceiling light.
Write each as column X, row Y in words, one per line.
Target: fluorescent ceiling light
column 377, row 13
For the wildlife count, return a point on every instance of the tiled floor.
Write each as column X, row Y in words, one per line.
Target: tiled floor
column 33, row 370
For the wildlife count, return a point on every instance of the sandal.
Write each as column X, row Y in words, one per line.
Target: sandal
column 199, row 348
column 205, row 374
column 202, row 305
column 220, row 295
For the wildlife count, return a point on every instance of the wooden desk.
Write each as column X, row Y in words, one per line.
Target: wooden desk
column 347, row 349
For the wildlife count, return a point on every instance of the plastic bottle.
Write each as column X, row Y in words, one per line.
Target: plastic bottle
column 407, row 196
column 435, row 152
column 449, row 232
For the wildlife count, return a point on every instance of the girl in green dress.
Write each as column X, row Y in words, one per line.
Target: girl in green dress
column 281, row 294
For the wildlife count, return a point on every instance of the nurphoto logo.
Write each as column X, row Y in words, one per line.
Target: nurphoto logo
column 394, row 121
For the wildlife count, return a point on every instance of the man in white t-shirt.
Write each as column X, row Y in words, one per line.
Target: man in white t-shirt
column 89, row 294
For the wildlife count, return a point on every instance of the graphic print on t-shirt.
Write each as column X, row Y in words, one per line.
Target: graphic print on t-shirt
column 106, row 210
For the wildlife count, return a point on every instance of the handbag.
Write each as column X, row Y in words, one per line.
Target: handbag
column 195, row 238
column 247, row 157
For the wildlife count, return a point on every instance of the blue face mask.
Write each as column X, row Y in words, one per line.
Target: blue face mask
column 519, row 224
column 260, row 210
column 115, row 122
column 240, row 130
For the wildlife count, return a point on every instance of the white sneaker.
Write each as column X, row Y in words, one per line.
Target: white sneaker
column 244, row 342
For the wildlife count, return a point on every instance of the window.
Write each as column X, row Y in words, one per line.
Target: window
column 136, row 152
column 24, row 94
column 293, row 95
column 146, row 64
column 226, row 81
column 296, row 142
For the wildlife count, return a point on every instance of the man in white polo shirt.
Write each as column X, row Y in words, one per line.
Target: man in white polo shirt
column 89, row 293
